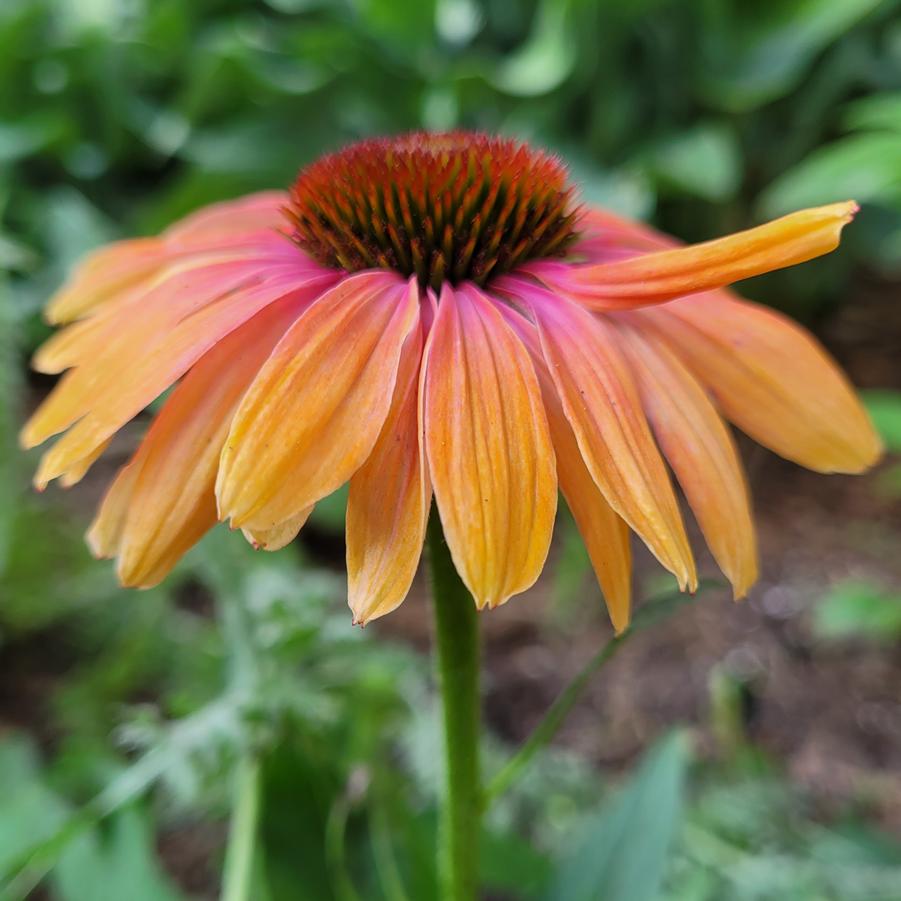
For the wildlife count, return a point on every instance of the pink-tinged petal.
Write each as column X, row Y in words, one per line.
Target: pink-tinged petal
column 107, row 406
column 172, row 500
column 181, row 286
column 103, row 274
column 659, row 276
column 701, row 452
column 107, row 273
column 488, row 447
column 313, row 414
column 254, row 212
column 388, row 503
column 606, row 535
column 772, row 379
column 281, row 535
column 601, row 402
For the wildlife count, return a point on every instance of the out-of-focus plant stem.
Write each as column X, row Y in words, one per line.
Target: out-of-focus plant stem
column 457, row 647
column 653, row 611
column 238, row 881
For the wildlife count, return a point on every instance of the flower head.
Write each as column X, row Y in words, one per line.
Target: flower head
column 433, row 314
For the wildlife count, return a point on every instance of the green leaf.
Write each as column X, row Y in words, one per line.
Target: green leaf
column 704, row 161
column 865, row 167
column 119, row 862
column 756, row 52
column 858, row 610
column 881, row 111
column 624, row 853
column 545, row 60
column 884, row 407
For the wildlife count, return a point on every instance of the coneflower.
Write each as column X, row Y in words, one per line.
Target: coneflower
column 435, row 312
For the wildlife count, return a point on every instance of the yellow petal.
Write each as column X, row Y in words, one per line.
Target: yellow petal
column 149, row 372
column 488, row 448
column 606, row 535
column 105, row 532
column 655, row 277
column 388, row 503
column 702, row 454
column 313, row 414
column 602, row 405
column 172, row 502
column 280, row 536
column 772, row 379
column 106, row 274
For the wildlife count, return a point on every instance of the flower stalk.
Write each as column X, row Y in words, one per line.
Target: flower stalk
column 457, row 647
column 239, row 855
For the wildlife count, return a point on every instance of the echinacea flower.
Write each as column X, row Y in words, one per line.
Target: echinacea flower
column 434, row 313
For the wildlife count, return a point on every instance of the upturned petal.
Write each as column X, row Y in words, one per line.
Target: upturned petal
column 488, row 447
column 701, row 451
column 656, row 277
column 314, row 412
column 600, row 400
column 772, row 379
column 606, row 535
column 388, row 502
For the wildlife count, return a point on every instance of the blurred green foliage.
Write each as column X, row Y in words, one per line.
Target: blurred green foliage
column 700, row 114
column 117, row 116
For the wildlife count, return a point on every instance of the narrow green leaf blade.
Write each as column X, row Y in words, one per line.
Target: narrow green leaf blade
column 623, row 854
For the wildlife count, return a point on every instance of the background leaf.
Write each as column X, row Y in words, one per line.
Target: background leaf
column 622, row 852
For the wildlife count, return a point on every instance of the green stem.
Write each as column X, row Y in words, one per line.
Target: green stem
column 238, row 881
column 552, row 721
column 457, row 643
column 650, row 613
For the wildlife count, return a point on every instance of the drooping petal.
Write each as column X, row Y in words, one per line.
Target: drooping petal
column 251, row 213
column 172, row 500
column 105, row 532
column 772, row 379
column 314, row 412
column 659, row 276
column 606, row 535
column 281, row 535
column 109, row 272
column 105, row 404
column 602, row 405
column 488, row 448
column 388, row 503
column 702, row 454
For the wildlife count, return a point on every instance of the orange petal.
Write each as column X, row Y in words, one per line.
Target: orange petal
column 281, row 536
column 151, row 371
column 172, row 501
column 605, row 534
column 103, row 274
column 388, row 503
column 702, row 454
column 772, row 379
column 488, row 447
column 663, row 275
column 106, row 530
column 602, row 405
column 253, row 212
column 109, row 344
column 313, row 414
column 108, row 272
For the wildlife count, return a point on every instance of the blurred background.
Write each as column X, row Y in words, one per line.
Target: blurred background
column 744, row 752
